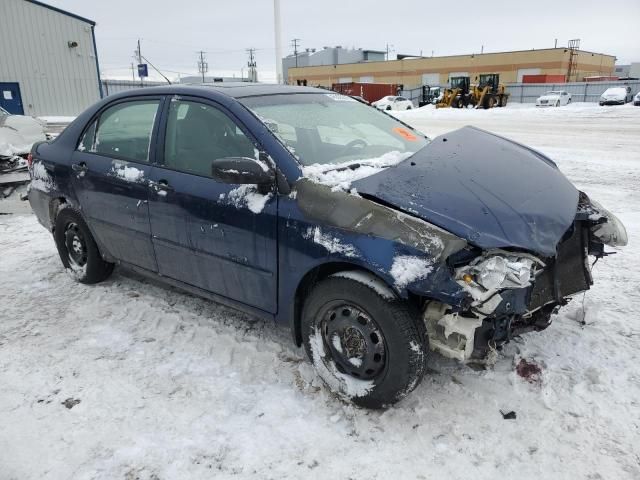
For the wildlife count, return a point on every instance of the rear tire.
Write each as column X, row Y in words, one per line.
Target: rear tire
column 367, row 345
column 77, row 248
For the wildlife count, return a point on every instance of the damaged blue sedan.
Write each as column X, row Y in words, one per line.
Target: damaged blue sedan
column 373, row 243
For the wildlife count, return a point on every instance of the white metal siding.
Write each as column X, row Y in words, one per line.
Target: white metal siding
column 54, row 79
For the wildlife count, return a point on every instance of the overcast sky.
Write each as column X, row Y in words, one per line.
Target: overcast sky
column 173, row 31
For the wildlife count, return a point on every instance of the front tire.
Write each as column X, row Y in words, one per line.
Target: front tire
column 77, row 248
column 367, row 345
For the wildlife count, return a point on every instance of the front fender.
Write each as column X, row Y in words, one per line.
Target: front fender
column 321, row 227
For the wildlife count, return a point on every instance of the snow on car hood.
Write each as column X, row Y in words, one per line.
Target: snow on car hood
column 491, row 191
column 549, row 97
column 18, row 133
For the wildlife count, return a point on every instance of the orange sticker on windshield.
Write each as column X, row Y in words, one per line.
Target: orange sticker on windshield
column 406, row 134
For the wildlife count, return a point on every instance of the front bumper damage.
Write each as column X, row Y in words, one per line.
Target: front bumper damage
column 517, row 292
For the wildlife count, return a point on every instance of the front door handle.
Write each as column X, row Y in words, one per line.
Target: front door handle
column 79, row 167
column 163, row 185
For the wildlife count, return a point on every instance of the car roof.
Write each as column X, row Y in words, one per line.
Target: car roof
column 230, row 89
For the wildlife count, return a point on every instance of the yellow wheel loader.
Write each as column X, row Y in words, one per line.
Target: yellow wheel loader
column 489, row 92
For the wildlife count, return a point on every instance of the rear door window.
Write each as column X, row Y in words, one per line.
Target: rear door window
column 123, row 131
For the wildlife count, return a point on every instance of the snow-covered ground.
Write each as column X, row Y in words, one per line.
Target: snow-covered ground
column 163, row 385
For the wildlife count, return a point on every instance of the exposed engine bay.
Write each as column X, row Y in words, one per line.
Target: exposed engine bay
column 517, row 292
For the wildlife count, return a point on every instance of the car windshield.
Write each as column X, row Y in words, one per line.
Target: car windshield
column 615, row 91
column 553, row 92
column 328, row 129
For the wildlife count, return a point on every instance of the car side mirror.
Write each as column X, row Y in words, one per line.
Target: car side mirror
column 242, row 171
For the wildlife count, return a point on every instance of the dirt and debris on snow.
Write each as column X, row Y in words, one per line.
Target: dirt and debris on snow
column 173, row 386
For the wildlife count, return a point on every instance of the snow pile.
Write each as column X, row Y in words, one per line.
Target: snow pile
column 407, row 269
column 331, row 244
column 130, row 174
column 247, row 196
column 340, row 176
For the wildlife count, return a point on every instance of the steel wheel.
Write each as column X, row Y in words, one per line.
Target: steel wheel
column 354, row 341
column 76, row 246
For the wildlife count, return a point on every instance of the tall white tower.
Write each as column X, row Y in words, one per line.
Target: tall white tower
column 278, row 34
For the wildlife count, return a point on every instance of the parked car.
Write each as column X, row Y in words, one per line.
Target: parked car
column 553, row 98
column 18, row 133
column 636, row 100
column 393, row 103
column 373, row 243
column 616, row 96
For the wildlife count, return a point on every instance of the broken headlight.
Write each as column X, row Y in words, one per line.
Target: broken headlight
column 499, row 271
column 608, row 228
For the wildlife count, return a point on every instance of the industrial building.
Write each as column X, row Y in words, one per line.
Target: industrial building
column 573, row 64
column 338, row 55
column 48, row 60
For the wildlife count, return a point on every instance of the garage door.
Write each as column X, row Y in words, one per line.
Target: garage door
column 527, row 71
column 431, row 79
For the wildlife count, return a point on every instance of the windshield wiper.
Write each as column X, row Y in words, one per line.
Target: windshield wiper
column 351, row 166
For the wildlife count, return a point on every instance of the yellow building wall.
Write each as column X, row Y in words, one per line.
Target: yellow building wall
column 408, row 72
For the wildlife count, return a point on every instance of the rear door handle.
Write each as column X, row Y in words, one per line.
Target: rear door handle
column 79, row 167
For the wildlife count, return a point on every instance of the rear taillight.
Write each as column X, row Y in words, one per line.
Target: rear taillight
column 30, row 159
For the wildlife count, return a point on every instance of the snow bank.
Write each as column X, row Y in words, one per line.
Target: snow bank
column 340, row 176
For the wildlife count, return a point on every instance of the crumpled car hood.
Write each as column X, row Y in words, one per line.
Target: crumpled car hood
column 491, row 191
column 18, row 133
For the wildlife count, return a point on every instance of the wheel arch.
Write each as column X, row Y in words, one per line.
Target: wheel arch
column 315, row 275
column 55, row 205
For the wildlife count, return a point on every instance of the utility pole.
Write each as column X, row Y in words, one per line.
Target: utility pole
column 133, row 72
column 203, row 66
column 253, row 74
column 139, row 58
column 389, row 48
column 278, row 40
column 295, row 43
